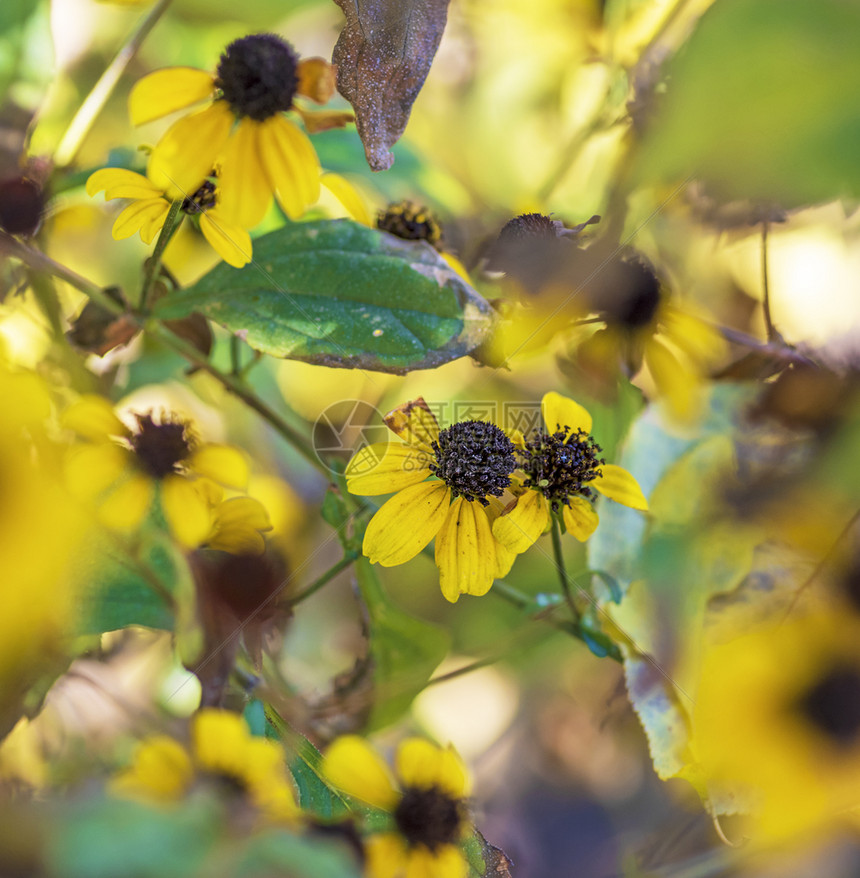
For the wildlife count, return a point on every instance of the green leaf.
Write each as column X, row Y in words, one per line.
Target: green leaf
column 276, row 852
column 336, row 293
column 405, row 650
column 762, row 104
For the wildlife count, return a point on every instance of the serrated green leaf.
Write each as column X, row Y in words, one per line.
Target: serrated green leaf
column 405, row 650
column 336, row 293
column 761, row 104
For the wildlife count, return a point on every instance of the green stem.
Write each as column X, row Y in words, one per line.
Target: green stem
column 171, row 224
column 558, row 555
column 95, row 101
column 326, row 577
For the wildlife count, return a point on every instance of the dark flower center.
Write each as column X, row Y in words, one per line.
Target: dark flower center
column 160, row 448
column 833, row 705
column 257, row 76
column 411, row 222
column 228, row 785
column 474, row 459
column 560, row 469
column 429, row 817
column 529, row 226
column 201, row 200
column 628, row 294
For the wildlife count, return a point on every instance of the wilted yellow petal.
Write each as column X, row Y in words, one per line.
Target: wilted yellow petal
column 404, row 525
column 518, row 529
column 291, row 165
column 121, row 183
column 316, row 79
column 244, row 190
column 580, row 519
column 146, row 217
column 167, row 90
column 385, row 467
column 617, row 484
column 93, row 416
column 561, row 413
column 185, row 156
column 465, row 551
column 414, row 423
column 186, row 511
column 125, row 507
column 223, row 464
column 348, row 196
column 352, row 765
column 231, row 242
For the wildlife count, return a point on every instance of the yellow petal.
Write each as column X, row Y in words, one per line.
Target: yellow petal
column 218, row 740
column 186, row 511
column 161, row 770
column 126, row 506
column 404, row 525
column 92, row 469
column 617, row 484
column 244, row 190
column 316, row 79
column 519, row 529
column 580, row 519
column 167, row 90
column 223, row 464
column 291, row 165
column 504, row 560
column 231, row 242
column 185, row 156
column 385, row 467
column 146, row 217
column 422, row 764
column 349, row 197
column 678, row 383
column 93, row 416
column 457, row 266
column 237, row 526
column 120, row 183
column 387, row 855
column 465, row 551
column 559, row 413
column 414, row 423
column 352, row 765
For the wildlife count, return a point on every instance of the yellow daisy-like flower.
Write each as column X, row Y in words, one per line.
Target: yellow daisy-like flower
column 561, row 470
column 777, row 723
column 642, row 326
column 243, row 132
column 148, row 211
column 444, row 481
column 120, row 471
column 222, row 749
column 426, row 800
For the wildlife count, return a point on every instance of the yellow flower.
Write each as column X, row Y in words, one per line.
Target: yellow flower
column 243, row 131
column 444, row 481
column 426, row 801
column 120, row 470
column 777, row 722
column 148, row 211
column 561, row 466
column 222, row 748
column 642, row 326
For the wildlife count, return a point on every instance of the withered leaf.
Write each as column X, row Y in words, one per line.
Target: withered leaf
column 383, row 56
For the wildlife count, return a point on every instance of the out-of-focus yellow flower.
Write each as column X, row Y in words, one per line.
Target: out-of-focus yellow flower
column 444, row 481
column 426, row 800
column 777, row 721
column 148, row 211
column 243, row 132
column 222, row 748
column 561, row 466
column 120, row 471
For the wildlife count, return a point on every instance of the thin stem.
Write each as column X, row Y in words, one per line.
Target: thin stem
column 95, row 101
column 772, row 334
column 777, row 349
column 466, row 669
column 325, row 578
column 558, row 554
column 154, row 262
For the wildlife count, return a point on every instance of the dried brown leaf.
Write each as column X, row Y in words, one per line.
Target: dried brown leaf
column 383, row 56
